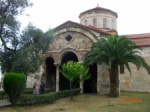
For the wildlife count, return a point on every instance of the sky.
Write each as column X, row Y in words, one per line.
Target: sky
column 133, row 15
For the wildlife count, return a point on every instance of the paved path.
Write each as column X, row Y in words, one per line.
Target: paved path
column 4, row 102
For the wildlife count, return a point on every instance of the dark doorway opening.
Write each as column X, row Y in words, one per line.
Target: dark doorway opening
column 64, row 83
column 90, row 85
column 50, row 73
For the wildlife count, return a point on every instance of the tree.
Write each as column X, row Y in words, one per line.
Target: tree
column 14, row 85
column 9, row 25
column 74, row 71
column 27, row 57
column 115, row 50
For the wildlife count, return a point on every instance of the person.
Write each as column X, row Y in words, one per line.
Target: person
column 35, row 88
column 42, row 87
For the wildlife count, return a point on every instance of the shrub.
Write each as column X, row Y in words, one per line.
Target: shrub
column 3, row 95
column 14, row 85
column 45, row 98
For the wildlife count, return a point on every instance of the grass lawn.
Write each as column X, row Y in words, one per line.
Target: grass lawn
column 127, row 102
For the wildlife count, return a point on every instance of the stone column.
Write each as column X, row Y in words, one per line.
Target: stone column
column 81, row 83
column 57, row 76
column 81, row 87
column 98, row 78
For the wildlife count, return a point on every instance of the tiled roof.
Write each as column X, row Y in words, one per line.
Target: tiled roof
column 144, row 35
column 143, row 43
column 100, row 30
column 99, row 10
column 74, row 24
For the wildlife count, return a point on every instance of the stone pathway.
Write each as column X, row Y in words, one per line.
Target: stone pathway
column 4, row 102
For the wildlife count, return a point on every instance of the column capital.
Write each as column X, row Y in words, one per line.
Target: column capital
column 57, row 64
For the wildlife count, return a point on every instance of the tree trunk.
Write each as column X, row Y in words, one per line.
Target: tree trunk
column 71, row 92
column 114, row 81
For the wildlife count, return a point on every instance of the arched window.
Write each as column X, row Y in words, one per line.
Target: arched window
column 104, row 23
column 112, row 24
column 94, row 22
column 85, row 22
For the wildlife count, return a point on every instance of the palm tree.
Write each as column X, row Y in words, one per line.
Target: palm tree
column 115, row 50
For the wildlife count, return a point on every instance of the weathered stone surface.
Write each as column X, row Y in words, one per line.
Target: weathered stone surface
column 139, row 80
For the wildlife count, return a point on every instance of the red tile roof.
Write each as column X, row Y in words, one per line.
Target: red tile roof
column 100, row 30
column 144, row 35
column 143, row 43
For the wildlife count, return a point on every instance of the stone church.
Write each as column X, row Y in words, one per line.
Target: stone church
column 73, row 40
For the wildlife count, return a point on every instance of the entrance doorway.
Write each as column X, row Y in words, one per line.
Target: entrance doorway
column 64, row 83
column 50, row 73
column 90, row 85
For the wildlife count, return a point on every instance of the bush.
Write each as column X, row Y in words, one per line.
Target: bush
column 14, row 85
column 3, row 95
column 45, row 98
column 27, row 91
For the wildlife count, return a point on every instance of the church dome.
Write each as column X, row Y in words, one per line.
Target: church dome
column 99, row 17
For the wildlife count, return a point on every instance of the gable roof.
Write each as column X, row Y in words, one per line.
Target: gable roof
column 77, row 25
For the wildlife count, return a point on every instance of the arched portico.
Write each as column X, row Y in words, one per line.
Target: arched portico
column 90, row 85
column 64, row 83
column 50, row 71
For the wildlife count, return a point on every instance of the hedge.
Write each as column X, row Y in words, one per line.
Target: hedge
column 45, row 98
column 4, row 95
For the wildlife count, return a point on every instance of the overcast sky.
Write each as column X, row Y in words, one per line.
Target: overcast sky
column 133, row 15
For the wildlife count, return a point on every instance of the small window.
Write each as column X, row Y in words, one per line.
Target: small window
column 112, row 24
column 94, row 22
column 69, row 38
column 104, row 23
column 85, row 22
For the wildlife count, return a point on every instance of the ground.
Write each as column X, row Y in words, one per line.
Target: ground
column 127, row 102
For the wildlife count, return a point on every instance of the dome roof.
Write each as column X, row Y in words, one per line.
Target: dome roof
column 99, row 10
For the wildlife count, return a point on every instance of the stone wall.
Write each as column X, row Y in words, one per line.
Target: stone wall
column 139, row 80
column 37, row 76
column 103, row 80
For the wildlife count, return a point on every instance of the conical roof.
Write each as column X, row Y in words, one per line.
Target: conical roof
column 99, row 10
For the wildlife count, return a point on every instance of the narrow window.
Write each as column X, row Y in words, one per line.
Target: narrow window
column 104, row 23
column 85, row 22
column 112, row 24
column 122, row 68
column 94, row 22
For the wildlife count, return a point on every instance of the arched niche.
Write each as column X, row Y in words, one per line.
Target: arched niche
column 50, row 71
column 64, row 83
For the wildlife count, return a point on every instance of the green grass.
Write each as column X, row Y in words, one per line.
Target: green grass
column 91, row 103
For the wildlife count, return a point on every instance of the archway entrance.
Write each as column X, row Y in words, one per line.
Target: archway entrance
column 50, row 73
column 64, row 83
column 90, row 85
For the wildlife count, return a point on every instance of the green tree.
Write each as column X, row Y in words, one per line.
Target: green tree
column 33, row 43
column 14, row 85
column 9, row 25
column 27, row 57
column 74, row 71
column 115, row 50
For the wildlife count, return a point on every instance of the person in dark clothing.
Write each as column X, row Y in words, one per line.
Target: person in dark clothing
column 42, row 88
